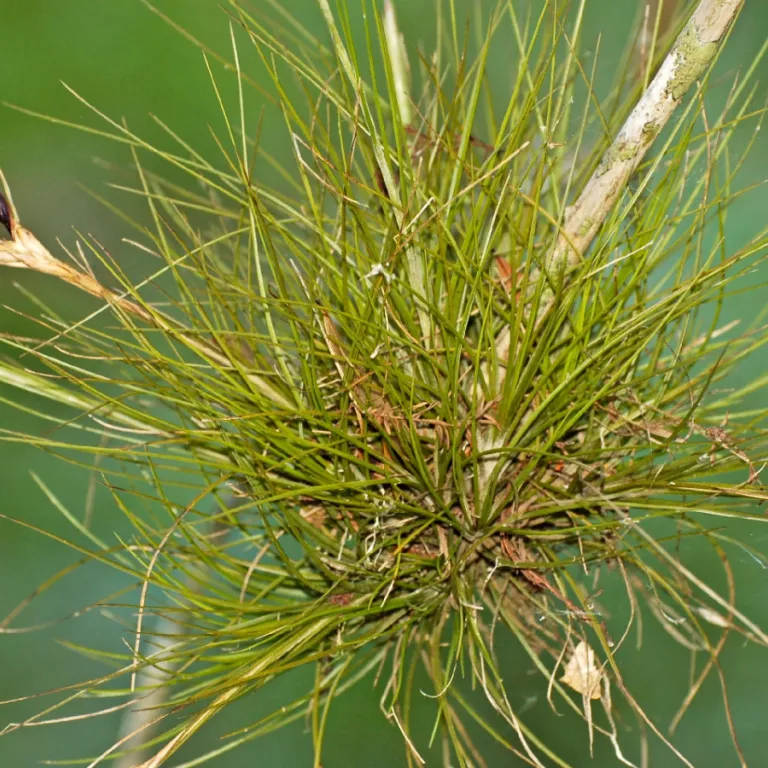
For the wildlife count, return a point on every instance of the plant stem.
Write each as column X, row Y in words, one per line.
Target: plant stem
column 138, row 725
column 25, row 251
column 690, row 56
column 292, row 645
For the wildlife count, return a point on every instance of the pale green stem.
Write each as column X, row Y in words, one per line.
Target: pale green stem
column 690, row 56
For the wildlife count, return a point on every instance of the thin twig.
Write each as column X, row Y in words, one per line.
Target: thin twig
column 25, row 251
column 152, row 681
column 693, row 52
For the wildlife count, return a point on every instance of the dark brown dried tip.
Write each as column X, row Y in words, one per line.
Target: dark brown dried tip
column 6, row 217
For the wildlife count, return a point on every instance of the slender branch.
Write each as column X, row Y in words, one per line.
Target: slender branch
column 25, row 251
column 153, row 682
column 399, row 60
column 692, row 53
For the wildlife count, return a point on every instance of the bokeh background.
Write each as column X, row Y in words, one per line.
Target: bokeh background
column 130, row 63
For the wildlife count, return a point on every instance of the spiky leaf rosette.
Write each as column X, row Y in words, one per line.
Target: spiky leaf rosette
column 435, row 433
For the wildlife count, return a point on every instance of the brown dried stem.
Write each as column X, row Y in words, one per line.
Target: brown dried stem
column 25, row 251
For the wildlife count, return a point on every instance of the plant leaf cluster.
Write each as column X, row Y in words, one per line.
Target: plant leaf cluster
column 396, row 431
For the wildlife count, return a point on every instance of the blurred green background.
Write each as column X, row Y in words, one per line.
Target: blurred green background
column 127, row 61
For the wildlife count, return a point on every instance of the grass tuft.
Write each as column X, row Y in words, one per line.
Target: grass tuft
column 412, row 401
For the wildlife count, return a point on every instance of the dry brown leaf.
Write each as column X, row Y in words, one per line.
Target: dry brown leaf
column 582, row 673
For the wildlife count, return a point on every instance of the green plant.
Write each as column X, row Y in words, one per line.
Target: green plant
column 425, row 398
